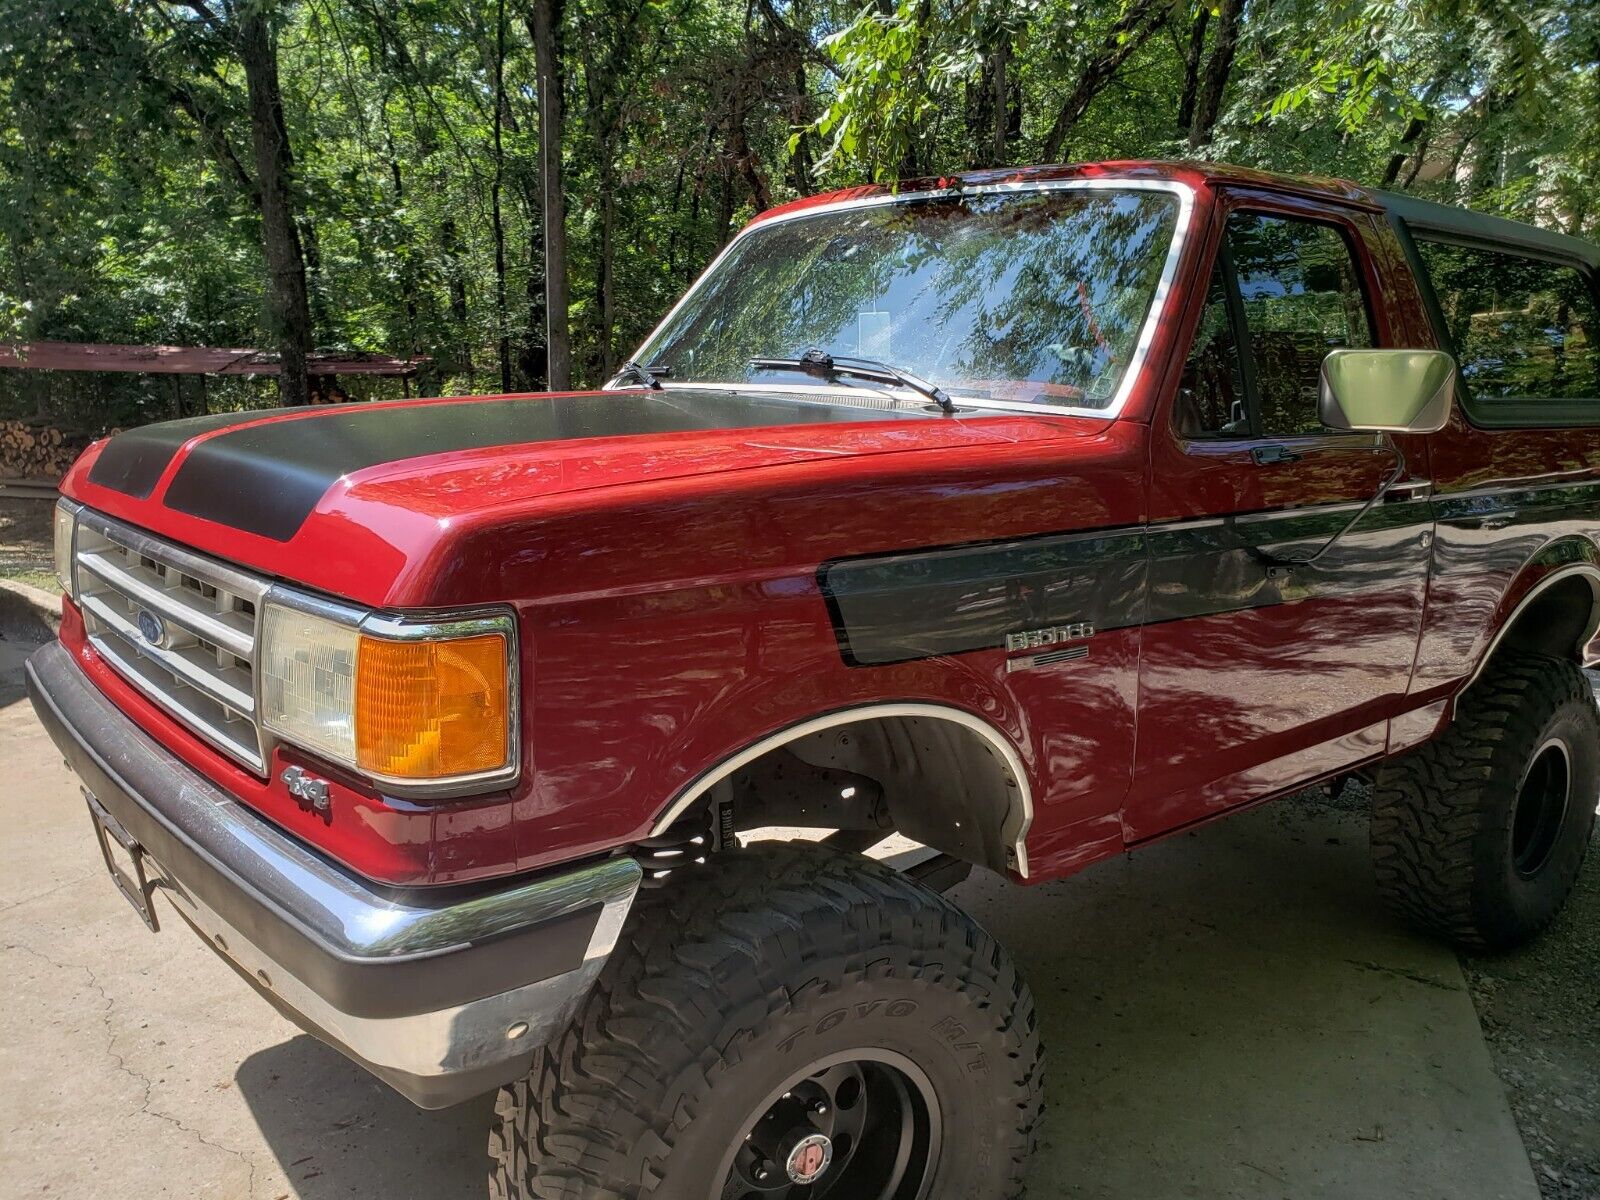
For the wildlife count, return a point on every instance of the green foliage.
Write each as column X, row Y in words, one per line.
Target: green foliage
column 126, row 173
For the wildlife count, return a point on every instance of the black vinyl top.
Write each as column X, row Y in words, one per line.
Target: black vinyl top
column 1481, row 227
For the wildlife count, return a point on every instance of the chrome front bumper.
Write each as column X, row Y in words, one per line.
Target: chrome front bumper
column 442, row 993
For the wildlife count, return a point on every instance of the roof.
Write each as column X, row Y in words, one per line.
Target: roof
column 189, row 360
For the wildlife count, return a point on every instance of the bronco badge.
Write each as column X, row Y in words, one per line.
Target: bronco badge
column 1055, row 635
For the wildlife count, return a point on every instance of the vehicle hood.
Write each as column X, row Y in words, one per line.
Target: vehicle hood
column 344, row 498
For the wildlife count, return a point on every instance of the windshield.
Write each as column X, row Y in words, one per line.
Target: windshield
column 1035, row 296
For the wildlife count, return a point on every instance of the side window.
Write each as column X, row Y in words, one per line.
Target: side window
column 1302, row 297
column 1211, row 398
column 1522, row 328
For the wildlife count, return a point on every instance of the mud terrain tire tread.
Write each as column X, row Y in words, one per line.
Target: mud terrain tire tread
column 703, row 969
column 1441, row 813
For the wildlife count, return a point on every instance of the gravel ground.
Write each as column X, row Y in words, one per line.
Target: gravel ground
column 1540, row 1011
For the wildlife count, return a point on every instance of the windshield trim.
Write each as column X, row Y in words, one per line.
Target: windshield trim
column 1141, row 351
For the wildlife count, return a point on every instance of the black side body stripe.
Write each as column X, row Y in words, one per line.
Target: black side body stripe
column 951, row 600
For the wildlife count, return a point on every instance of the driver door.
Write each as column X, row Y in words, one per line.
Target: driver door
column 1256, row 677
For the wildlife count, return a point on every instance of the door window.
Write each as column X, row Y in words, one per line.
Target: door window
column 1298, row 291
column 1301, row 291
column 1211, row 398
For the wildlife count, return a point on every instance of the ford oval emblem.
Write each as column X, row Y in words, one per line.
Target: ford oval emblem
column 151, row 629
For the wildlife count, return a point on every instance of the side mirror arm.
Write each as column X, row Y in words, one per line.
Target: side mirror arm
column 1386, row 446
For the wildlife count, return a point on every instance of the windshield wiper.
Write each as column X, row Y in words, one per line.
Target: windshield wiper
column 650, row 376
column 830, row 366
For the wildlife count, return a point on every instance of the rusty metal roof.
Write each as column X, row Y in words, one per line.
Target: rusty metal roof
column 190, row 360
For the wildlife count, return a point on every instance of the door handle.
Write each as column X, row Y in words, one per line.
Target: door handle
column 1267, row 455
column 1409, row 489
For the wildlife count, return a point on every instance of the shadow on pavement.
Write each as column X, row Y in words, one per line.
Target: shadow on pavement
column 336, row 1131
column 14, row 652
column 1226, row 1015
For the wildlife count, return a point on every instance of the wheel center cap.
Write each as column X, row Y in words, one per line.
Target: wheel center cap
column 809, row 1158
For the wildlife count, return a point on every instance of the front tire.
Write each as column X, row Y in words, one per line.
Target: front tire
column 784, row 1021
column 1478, row 835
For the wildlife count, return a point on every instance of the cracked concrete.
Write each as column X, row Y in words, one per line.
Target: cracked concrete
column 1228, row 1014
column 146, row 1086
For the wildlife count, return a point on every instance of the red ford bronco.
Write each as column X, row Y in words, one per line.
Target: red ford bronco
column 1030, row 515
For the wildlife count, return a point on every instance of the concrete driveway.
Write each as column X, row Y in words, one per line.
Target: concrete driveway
column 1227, row 1014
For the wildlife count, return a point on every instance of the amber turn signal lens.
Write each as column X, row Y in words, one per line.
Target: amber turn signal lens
column 425, row 710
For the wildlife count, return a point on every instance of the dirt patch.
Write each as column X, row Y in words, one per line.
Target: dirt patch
column 25, row 541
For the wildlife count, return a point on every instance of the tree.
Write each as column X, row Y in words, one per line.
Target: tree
column 417, row 186
column 545, row 20
column 288, row 309
column 1219, row 69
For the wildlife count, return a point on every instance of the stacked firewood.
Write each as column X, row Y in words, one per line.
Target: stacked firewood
column 35, row 450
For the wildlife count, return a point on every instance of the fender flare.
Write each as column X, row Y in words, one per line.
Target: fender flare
column 1564, row 558
column 1019, row 815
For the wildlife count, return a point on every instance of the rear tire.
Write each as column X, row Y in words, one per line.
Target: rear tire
column 1478, row 835
column 748, row 995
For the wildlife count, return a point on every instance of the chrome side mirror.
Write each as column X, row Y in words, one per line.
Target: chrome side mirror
column 1387, row 391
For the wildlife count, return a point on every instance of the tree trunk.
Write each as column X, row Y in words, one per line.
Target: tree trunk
column 544, row 21
column 801, row 163
column 606, row 268
column 1208, row 105
column 1398, row 158
column 741, row 159
column 1130, row 32
column 408, row 266
column 1192, row 59
column 998, row 100
column 453, row 251
column 496, row 219
column 288, row 311
column 1419, row 159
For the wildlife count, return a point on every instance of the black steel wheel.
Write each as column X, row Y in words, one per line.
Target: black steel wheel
column 1541, row 807
column 785, row 1022
column 861, row 1125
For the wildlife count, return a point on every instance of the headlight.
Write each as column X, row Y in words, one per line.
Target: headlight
column 66, row 525
column 308, row 666
column 420, row 704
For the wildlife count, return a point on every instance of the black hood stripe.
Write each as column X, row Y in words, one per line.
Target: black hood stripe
column 267, row 479
column 132, row 462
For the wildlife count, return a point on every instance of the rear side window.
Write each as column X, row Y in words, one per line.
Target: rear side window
column 1521, row 328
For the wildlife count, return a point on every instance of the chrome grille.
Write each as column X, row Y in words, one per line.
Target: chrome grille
column 201, row 668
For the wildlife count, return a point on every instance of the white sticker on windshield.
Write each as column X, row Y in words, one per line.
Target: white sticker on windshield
column 872, row 335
